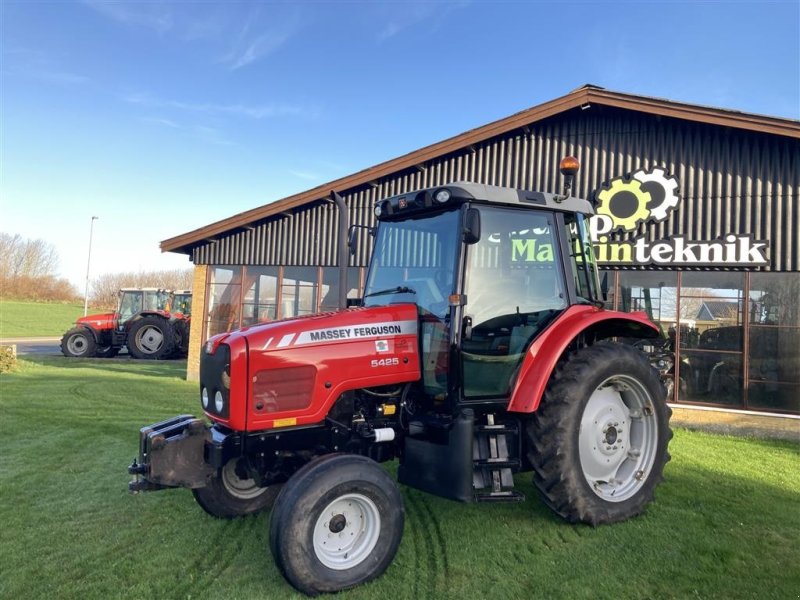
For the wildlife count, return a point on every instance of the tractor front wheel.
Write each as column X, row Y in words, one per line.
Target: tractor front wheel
column 598, row 442
column 230, row 494
column 337, row 523
column 78, row 342
column 151, row 338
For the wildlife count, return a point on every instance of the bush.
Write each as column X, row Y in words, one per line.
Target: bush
column 8, row 359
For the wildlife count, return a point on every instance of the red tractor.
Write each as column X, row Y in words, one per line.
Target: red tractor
column 479, row 350
column 143, row 321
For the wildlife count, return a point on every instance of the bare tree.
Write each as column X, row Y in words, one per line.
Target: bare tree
column 28, row 271
column 105, row 287
column 20, row 257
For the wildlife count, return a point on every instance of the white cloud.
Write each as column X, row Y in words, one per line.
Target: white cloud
column 307, row 175
column 252, row 111
column 257, row 40
column 152, row 15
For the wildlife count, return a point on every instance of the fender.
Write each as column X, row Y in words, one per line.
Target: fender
column 542, row 356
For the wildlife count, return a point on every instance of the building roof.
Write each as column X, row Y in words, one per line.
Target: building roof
column 715, row 310
column 581, row 97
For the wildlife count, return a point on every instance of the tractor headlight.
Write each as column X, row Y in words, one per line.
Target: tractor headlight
column 442, row 196
column 204, row 397
column 378, row 209
column 219, row 401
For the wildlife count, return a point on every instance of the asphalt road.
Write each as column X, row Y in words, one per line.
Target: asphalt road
column 40, row 346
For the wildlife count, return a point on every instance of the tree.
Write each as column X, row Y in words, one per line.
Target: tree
column 20, row 257
column 28, row 270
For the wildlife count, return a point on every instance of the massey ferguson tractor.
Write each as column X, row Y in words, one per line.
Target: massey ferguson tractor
column 144, row 321
column 479, row 350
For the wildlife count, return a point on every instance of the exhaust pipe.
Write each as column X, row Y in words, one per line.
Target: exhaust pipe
column 344, row 255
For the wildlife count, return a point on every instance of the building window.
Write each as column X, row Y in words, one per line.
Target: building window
column 329, row 287
column 298, row 291
column 224, row 299
column 773, row 315
column 711, row 337
column 259, row 300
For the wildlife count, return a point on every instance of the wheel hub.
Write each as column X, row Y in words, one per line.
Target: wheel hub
column 338, row 523
column 346, row 532
column 618, row 438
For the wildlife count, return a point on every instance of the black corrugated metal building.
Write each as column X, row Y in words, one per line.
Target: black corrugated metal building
column 698, row 225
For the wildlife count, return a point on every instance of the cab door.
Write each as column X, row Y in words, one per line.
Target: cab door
column 514, row 286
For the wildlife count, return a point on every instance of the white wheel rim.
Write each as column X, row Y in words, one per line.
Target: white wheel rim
column 244, row 489
column 618, row 438
column 149, row 339
column 347, row 532
column 77, row 344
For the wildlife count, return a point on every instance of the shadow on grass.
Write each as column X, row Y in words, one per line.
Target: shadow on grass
column 171, row 369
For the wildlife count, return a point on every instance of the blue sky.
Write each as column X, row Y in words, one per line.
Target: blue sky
column 161, row 117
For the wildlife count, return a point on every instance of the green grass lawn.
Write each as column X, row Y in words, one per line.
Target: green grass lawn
column 23, row 319
column 726, row 522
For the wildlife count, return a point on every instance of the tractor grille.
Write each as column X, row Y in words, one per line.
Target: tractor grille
column 279, row 390
column 215, row 377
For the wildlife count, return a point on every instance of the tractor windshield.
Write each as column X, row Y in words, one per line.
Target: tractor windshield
column 414, row 261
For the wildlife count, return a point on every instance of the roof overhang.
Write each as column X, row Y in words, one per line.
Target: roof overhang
column 584, row 96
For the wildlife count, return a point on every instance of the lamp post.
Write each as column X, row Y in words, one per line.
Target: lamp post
column 88, row 262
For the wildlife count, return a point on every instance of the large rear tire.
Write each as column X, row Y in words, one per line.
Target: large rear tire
column 229, row 495
column 337, row 523
column 151, row 338
column 598, row 442
column 78, row 342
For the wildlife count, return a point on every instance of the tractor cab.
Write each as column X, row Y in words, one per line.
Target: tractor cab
column 182, row 302
column 489, row 269
column 133, row 301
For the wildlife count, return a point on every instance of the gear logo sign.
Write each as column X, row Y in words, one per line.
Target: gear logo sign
column 629, row 201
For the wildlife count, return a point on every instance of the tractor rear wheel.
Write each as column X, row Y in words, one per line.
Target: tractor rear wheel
column 598, row 442
column 229, row 495
column 78, row 342
column 337, row 523
column 151, row 337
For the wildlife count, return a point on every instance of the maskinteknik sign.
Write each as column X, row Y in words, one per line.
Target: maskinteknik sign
column 651, row 196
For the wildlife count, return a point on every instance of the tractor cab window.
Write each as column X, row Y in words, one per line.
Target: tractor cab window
column 514, row 288
column 582, row 260
column 130, row 304
column 414, row 261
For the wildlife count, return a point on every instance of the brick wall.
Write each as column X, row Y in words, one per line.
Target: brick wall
column 198, row 322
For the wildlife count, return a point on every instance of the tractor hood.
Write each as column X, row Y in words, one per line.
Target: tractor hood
column 290, row 372
column 101, row 321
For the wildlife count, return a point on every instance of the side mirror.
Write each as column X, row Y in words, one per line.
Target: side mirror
column 472, row 226
column 351, row 240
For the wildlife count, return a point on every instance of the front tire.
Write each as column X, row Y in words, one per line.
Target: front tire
column 598, row 442
column 151, row 338
column 229, row 495
column 78, row 342
column 337, row 523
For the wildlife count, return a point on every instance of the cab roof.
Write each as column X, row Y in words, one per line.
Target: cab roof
column 466, row 191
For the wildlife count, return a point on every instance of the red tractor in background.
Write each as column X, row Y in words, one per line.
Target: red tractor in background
column 479, row 350
column 152, row 323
